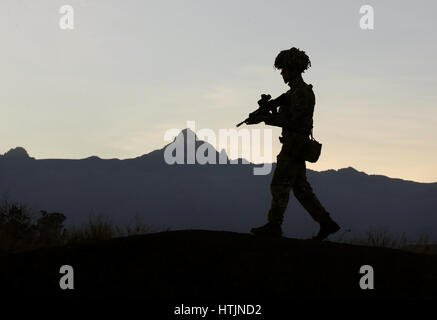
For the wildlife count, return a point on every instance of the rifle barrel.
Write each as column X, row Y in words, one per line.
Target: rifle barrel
column 241, row 123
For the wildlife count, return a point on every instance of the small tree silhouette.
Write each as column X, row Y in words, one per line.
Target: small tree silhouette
column 16, row 227
column 50, row 228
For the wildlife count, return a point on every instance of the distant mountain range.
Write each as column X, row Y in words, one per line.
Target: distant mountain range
column 216, row 197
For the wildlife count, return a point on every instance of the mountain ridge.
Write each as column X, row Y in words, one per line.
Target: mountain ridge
column 227, row 197
column 21, row 153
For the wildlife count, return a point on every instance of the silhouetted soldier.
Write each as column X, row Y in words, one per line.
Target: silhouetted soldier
column 295, row 116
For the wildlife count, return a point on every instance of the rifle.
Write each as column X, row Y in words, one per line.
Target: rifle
column 265, row 107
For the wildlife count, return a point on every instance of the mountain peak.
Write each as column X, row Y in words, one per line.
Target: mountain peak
column 17, row 153
column 351, row 171
column 187, row 135
column 186, row 132
column 348, row 169
column 188, row 143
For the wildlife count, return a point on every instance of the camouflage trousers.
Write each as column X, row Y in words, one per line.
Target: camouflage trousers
column 290, row 174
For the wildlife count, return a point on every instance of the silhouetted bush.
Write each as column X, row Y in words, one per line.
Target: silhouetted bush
column 16, row 229
column 98, row 228
column 382, row 237
column 20, row 231
column 51, row 228
column 102, row 228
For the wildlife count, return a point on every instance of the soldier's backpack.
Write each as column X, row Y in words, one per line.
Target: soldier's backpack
column 312, row 149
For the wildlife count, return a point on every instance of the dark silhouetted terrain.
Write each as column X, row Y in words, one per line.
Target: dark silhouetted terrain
column 197, row 265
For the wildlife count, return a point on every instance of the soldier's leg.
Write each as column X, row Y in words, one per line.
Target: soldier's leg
column 280, row 187
column 305, row 195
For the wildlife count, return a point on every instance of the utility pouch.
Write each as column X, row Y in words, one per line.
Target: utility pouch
column 312, row 149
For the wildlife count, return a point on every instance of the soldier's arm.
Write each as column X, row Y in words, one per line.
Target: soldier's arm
column 282, row 99
column 303, row 104
column 275, row 119
column 300, row 107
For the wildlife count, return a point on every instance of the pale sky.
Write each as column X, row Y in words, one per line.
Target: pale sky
column 131, row 69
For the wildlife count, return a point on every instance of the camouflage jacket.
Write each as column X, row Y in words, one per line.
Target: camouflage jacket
column 296, row 108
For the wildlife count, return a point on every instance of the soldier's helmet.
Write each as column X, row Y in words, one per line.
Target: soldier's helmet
column 293, row 59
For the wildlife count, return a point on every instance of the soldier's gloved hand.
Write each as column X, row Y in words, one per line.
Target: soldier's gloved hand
column 255, row 120
column 264, row 100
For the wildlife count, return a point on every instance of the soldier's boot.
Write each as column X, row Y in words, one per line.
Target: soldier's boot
column 273, row 227
column 270, row 229
column 327, row 228
column 311, row 203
